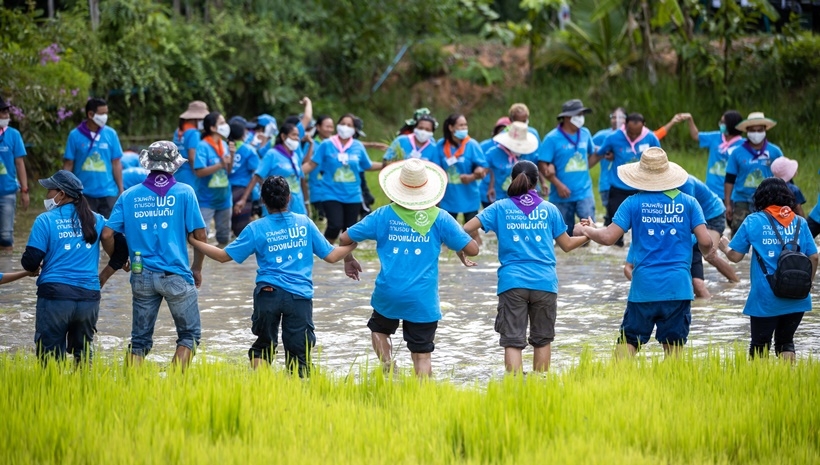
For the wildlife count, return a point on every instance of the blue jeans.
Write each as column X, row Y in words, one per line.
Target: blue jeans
column 148, row 289
column 222, row 222
column 65, row 326
column 584, row 208
column 8, row 207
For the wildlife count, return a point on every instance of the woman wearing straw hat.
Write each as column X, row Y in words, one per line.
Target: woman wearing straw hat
column 187, row 137
column 462, row 159
column 749, row 164
column 408, row 234
column 527, row 280
column 510, row 144
column 662, row 220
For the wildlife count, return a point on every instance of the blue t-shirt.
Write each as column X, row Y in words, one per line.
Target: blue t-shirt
column 190, row 140
column 407, row 285
column 815, row 212
column 711, row 204
column 316, row 182
column 532, row 156
column 618, row 144
column 402, row 149
column 571, row 159
column 130, row 160
column 284, row 245
column 750, row 171
column 501, row 166
column 214, row 190
column 158, row 227
column 798, row 194
column 487, row 144
column 69, row 259
column 92, row 163
column 661, row 248
column 606, row 165
column 460, row 198
column 342, row 179
column 277, row 163
column 133, row 176
column 11, row 148
column 525, row 247
column 716, row 166
column 756, row 233
column 245, row 163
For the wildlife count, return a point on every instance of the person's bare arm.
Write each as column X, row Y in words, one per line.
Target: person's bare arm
column 308, row 166
column 20, row 164
column 116, row 169
column 376, row 166
column 209, row 170
column 15, row 275
column 240, row 204
column 192, row 157
column 307, row 114
column 68, row 165
column 799, row 211
column 733, row 255
column 340, row 252
column 199, row 257
column 694, row 133
column 107, row 240
column 813, row 259
column 605, row 236
column 569, row 243
column 705, row 245
column 352, row 266
column 209, row 250
column 727, row 200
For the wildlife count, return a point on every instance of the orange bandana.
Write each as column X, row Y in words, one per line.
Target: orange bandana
column 783, row 215
column 185, row 126
column 215, row 142
column 448, row 150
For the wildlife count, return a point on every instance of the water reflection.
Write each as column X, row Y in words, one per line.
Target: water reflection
column 591, row 301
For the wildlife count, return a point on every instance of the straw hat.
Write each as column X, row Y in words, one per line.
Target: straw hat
column 518, row 139
column 654, row 173
column 196, row 110
column 414, row 184
column 784, row 168
column 756, row 118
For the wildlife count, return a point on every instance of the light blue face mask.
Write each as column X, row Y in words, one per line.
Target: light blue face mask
column 461, row 134
column 722, row 127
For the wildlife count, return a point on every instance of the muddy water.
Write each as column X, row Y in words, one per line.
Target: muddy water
column 591, row 302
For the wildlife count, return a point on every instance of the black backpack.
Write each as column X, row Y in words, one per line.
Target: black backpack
column 792, row 277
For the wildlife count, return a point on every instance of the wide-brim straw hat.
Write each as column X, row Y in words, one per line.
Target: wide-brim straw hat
column 756, row 118
column 517, row 138
column 784, row 168
column 654, row 173
column 414, row 184
column 196, row 110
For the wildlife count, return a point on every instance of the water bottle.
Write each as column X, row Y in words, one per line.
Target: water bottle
column 136, row 267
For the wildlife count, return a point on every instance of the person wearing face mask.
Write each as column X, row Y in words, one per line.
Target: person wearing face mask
column 187, row 137
column 214, row 161
column 749, row 164
column 342, row 160
column 718, row 142
column 418, row 144
column 568, row 148
column 316, row 182
column 501, row 158
column 245, row 164
column 616, row 120
column 12, row 176
column 463, row 160
column 64, row 245
column 519, row 112
column 285, row 159
column 93, row 153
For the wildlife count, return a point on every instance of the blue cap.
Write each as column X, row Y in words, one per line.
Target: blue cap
column 64, row 181
column 268, row 122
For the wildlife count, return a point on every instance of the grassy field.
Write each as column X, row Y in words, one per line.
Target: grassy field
column 710, row 407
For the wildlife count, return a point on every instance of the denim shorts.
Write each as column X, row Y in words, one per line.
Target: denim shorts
column 65, row 326
column 584, row 208
column 672, row 317
column 148, row 289
column 518, row 306
column 272, row 305
column 717, row 223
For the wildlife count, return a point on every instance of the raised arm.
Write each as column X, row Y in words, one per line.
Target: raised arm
column 307, row 114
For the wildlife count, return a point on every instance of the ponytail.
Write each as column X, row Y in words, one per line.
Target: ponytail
column 88, row 222
column 519, row 186
column 524, row 178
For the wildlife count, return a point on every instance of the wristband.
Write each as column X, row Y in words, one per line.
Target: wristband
column 24, row 190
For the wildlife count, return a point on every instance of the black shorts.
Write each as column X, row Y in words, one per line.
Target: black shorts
column 102, row 205
column 814, row 227
column 697, row 263
column 418, row 336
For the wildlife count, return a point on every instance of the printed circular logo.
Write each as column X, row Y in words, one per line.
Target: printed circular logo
column 418, row 251
column 161, row 180
column 422, row 218
column 164, row 225
column 526, row 200
column 673, row 231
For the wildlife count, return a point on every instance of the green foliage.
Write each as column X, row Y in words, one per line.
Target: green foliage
column 427, row 59
column 473, row 71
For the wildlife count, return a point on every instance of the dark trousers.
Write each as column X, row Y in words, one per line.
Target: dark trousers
column 272, row 305
column 65, row 326
column 616, row 198
column 782, row 326
column 239, row 221
column 339, row 216
column 102, row 205
column 467, row 216
column 814, row 227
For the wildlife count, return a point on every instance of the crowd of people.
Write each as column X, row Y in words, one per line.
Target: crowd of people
column 259, row 188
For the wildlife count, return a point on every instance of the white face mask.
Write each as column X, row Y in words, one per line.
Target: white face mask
column 4, row 123
column 291, row 144
column 578, row 121
column 257, row 140
column 756, row 137
column 345, row 132
column 100, row 120
column 224, row 130
column 50, row 204
column 422, row 135
column 200, row 125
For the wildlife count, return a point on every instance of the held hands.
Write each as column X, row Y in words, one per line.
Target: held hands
column 352, row 269
column 723, row 245
column 466, row 261
column 579, row 229
column 467, row 178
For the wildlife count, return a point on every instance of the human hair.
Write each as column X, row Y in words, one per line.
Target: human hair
column 427, row 118
column 448, row 133
column 293, row 119
column 518, row 111
column 88, row 222
column 774, row 191
column 634, row 118
column 321, row 119
column 621, row 109
column 347, row 115
column 93, row 104
column 237, row 132
column 284, row 131
column 732, row 118
column 275, row 193
column 524, row 178
column 209, row 121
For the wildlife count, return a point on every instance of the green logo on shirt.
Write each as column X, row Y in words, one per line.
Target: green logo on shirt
column 294, row 184
column 576, row 163
column 754, row 179
column 218, row 180
column 506, row 184
column 3, row 170
column 344, row 174
column 94, row 163
column 453, row 175
column 719, row 168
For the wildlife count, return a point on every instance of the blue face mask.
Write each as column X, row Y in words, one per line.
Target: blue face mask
column 722, row 127
column 461, row 134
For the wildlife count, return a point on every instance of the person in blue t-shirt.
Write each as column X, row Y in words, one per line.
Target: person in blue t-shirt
column 316, row 181
column 245, row 164
column 419, row 144
column 764, row 232
column 786, row 169
column 500, row 125
column 187, row 137
column 486, row 146
column 622, row 147
column 342, row 160
column 814, row 218
column 749, row 164
column 568, row 148
column 12, row 176
column 284, row 244
column 525, row 225
column 133, row 176
column 93, row 153
column 408, row 234
column 718, row 142
column 157, row 218
column 213, row 164
column 64, row 245
column 662, row 220
column 501, row 158
column 519, row 112
column 617, row 119
column 130, row 159
column 461, row 157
